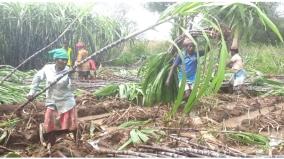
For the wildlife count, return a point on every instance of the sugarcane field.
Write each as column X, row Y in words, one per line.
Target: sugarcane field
column 147, row 79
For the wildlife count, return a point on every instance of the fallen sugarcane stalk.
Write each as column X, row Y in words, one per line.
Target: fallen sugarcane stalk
column 226, row 147
column 165, row 150
column 128, row 78
column 188, row 152
column 211, row 149
column 207, row 153
column 153, row 153
column 94, row 117
column 162, row 153
column 121, row 156
column 137, row 154
column 7, row 149
column 172, row 155
column 182, row 129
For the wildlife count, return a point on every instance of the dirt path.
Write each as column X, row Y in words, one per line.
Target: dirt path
column 236, row 121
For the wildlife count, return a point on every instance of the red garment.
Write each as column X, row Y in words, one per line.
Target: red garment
column 67, row 120
column 92, row 64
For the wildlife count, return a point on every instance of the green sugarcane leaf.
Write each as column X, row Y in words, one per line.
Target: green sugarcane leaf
column 134, row 136
column 142, row 136
column 129, row 141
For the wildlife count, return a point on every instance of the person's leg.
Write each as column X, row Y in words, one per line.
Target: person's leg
column 49, row 125
column 186, row 95
column 187, row 92
column 85, row 75
column 231, row 84
column 80, row 75
column 68, row 121
column 50, row 137
column 240, row 82
column 49, row 120
column 88, row 75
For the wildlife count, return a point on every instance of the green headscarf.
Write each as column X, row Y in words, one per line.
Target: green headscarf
column 58, row 53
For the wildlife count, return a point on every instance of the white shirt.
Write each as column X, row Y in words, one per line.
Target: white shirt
column 60, row 95
column 237, row 62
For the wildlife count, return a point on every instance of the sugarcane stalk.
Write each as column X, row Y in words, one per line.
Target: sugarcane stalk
column 17, row 111
column 182, row 129
column 39, row 51
column 161, row 153
column 121, row 156
column 106, row 151
column 164, row 149
column 169, row 154
column 7, row 149
column 212, row 149
column 152, row 152
column 207, row 153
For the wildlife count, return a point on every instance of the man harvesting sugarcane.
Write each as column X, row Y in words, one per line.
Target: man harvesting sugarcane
column 190, row 60
column 60, row 103
column 236, row 65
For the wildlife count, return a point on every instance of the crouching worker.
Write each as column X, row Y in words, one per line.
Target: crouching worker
column 60, row 115
column 236, row 65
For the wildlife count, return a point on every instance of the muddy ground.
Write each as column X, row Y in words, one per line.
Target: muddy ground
column 100, row 119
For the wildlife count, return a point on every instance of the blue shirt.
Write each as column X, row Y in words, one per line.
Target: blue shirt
column 190, row 65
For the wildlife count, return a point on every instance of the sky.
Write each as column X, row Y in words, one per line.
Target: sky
column 137, row 13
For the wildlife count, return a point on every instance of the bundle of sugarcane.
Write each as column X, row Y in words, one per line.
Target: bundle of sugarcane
column 14, row 90
column 18, row 76
column 129, row 91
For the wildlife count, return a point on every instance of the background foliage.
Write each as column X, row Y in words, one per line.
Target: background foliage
column 28, row 27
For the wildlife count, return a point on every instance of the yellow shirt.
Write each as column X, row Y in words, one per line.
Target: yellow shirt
column 82, row 54
column 69, row 52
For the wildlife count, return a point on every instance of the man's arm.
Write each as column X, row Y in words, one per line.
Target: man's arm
column 169, row 78
column 173, row 68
